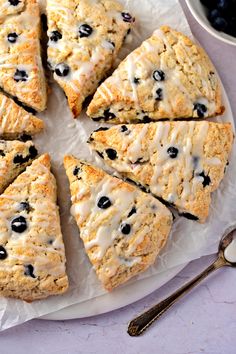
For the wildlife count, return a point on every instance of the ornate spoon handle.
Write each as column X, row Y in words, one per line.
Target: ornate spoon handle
column 142, row 322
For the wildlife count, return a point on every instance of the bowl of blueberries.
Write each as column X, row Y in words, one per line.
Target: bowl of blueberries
column 218, row 17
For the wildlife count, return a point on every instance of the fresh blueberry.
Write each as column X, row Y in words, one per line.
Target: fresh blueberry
column 201, row 109
column 123, row 128
column 220, row 24
column 172, row 152
column 127, row 17
column 14, row 2
column 25, row 206
column 206, row 179
column 20, row 75
column 29, row 271
column 19, row 224
column 104, row 203
column 108, row 115
column 85, row 30
column 12, row 37
column 55, row 36
column 158, row 75
column 62, row 69
column 136, row 80
column 224, row 5
column 213, row 14
column 3, row 253
column 76, row 171
column 132, row 211
column 111, row 153
column 125, row 229
column 159, row 94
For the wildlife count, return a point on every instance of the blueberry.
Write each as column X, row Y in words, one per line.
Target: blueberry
column 146, row 119
column 104, row 203
column 76, row 171
column 172, row 152
column 158, row 75
column 14, row 2
column 159, row 94
column 125, row 229
column 201, row 109
column 25, row 137
column 123, row 128
column 62, row 69
column 127, row 17
column 20, row 75
column 213, row 14
column 111, row 153
column 132, row 211
column 108, row 115
column 33, row 152
column 206, row 179
column 29, row 271
column 2, row 153
column 85, row 30
column 220, row 24
column 12, row 37
column 224, row 5
column 55, row 36
column 19, row 224
column 25, row 206
column 136, row 80
column 3, row 253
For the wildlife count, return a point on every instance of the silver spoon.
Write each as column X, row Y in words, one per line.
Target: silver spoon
column 138, row 325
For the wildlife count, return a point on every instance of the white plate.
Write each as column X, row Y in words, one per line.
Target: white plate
column 120, row 297
column 199, row 13
column 128, row 293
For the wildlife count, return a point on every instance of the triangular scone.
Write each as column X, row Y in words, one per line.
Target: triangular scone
column 21, row 71
column 84, row 39
column 14, row 157
column 123, row 229
column 32, row 255
column 168, row 76
column 15, row 121
column 180, row 162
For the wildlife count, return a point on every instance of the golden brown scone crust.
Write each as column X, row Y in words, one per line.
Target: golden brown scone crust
column 88, row 57
column 15, row 121
column 124, row 237
column 196, row 168
column 35, row 264
column 168, row 76
column 21, row 71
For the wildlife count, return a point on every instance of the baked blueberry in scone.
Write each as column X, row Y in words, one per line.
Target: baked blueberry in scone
column 180, row 162
column 167, row 77
column 84, row 39
column 15, row 121
column 32, row 255
column 123, row 229
column 21, row 71
column 15, row 156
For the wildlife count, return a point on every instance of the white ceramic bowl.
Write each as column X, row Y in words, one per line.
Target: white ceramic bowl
column 200, row 13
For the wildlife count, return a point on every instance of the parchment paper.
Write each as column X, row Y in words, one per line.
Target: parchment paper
column 189, row 240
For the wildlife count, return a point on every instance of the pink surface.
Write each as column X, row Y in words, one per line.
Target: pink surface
column 204, row 322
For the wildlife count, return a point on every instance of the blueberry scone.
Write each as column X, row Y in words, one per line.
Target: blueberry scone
column 15, row 156
column 179, row 162
column 15, row 121
column 84, row 39
column 21, row 71
column 32, row 255
column 168, row 76
column 123, row 229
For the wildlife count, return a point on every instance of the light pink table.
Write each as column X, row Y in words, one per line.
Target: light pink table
column 205, row 322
